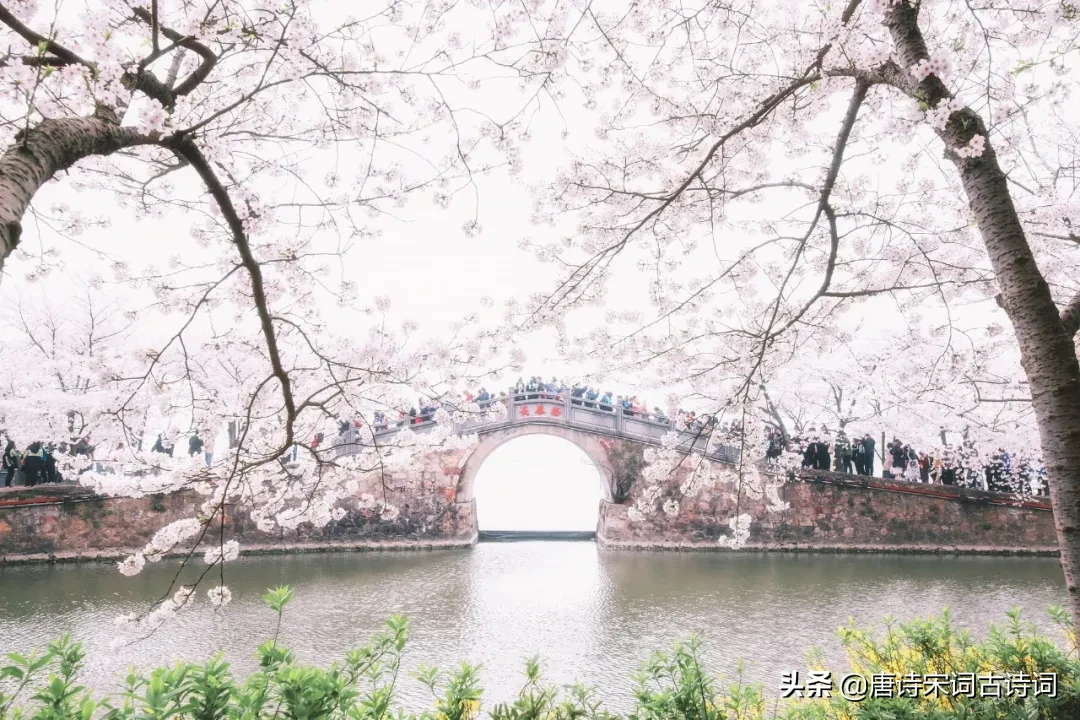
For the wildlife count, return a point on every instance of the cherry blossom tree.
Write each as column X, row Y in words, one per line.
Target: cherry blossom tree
column 80, row 371
column 776, row 167
column 278, row 134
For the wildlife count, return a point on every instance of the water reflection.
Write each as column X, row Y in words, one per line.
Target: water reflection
column 592, row 616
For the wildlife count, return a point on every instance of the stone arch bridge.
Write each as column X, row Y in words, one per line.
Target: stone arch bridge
column 825, row 509
column 613, row 440
column 822, row 511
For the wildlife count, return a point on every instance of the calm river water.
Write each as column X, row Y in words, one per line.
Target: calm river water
column 591, row 616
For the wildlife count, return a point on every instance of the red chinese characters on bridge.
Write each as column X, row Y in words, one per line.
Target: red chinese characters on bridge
column 539, row 411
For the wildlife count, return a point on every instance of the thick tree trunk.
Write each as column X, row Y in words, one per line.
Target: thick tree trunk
column 48, row 148
column 1047, row 350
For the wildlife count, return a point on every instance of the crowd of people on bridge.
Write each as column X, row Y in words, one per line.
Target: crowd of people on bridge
column 196, row 446
column 534, row 389
column 959, row 466
column 819, row 448
column 37, row 462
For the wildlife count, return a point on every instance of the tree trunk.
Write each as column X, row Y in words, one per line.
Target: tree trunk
column 37, row 155
column 774, row 413
column 1047, row 351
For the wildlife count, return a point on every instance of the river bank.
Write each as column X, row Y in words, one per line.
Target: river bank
column 391, row 546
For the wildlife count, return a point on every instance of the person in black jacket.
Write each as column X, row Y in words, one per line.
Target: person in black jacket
column 809, row 450
column 33, row 463
column 843, row 452
column 868, row 455
column 195, row 444
column 10, row 462
column 857, row 456
column 776, row 445
column 162, row 445
column 822, row 459
column 898, row 458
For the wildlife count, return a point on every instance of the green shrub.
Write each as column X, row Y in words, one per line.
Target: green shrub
column 672, row 685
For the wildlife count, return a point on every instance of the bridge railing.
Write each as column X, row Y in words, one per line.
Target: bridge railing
column 541, row 407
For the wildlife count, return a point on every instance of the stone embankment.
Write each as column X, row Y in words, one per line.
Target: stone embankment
column 68, row 523
column 827, row 512
column 845, row 513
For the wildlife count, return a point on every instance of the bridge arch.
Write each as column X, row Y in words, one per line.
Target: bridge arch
column 591, row 444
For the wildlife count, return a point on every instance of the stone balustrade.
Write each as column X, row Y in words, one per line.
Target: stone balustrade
column 540, row 408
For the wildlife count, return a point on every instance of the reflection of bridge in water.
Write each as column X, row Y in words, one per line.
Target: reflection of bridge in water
column 540, row 409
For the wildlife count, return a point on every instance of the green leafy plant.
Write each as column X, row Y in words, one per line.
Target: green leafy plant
column 672, row 685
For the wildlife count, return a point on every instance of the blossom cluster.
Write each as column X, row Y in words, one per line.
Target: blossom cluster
column 871, row 56
column 740, row 532
column 226, row 552
column 170, row 536
column 938, row 65
column 975, row 147
column 131, row 623
column 938, row 117
column 744, row 480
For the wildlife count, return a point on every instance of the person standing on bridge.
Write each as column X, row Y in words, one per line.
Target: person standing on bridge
column 10, row 462
column 162, row 445
column 821, row 455
column 897, row 457
column 195, row 444
column 427, row 412
column 49, row 471
column 809, row 452
column 33, row 462
column 775, row 447
column 556, row 388
column 857, row 456
column 843, row 452
column 868, row 444
column 576, row 394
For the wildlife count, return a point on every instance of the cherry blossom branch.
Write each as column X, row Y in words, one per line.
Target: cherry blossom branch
column 37, row 40
column 187, row 150
column 199, row 74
